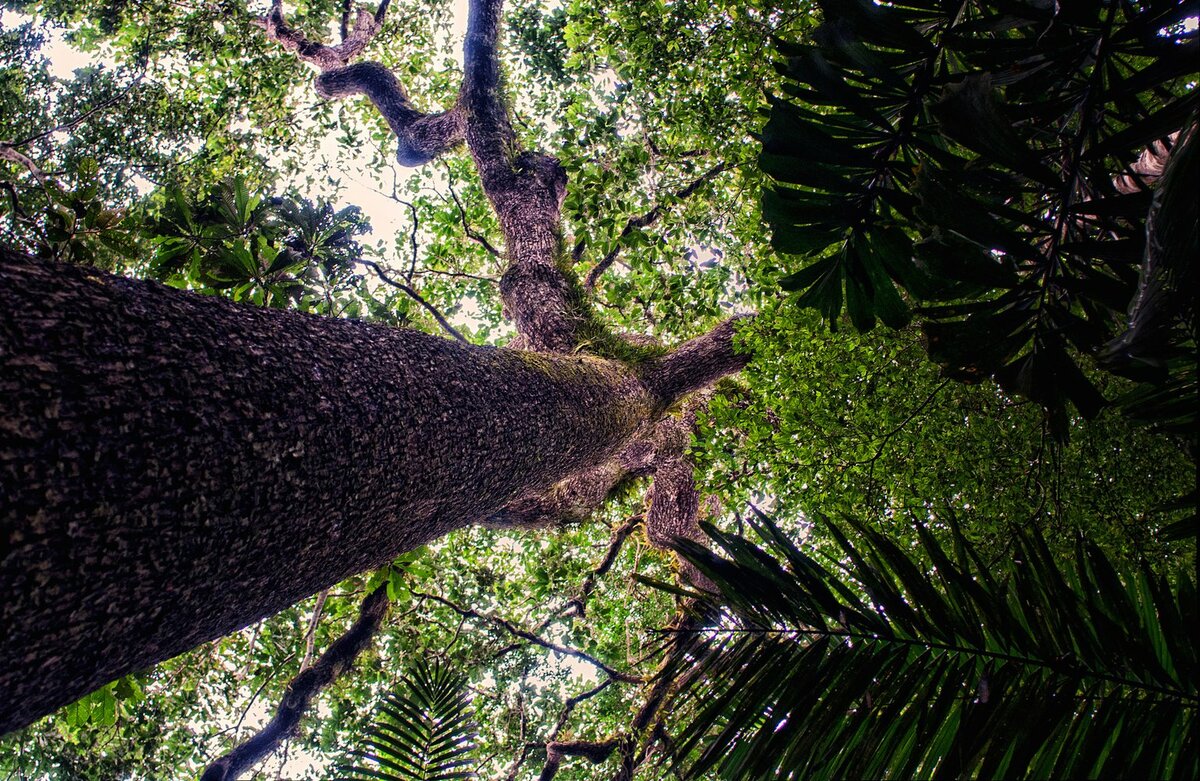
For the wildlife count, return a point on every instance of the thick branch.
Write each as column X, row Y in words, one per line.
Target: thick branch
column 695, row 364
column 674, row 501
column 304, row 687
column 8, row 151
column 526, row 189
column 595, row 750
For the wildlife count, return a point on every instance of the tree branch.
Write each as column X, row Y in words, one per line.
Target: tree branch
column 528, row 636
column 695, row 364
column 526, row 190
column 338, row 658
column 420, row 137
column 310, row 637
column 442, row 321
column 472, row 234
column 642, row 221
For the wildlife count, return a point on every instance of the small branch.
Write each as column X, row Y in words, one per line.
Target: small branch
column 563, row 717
column 472, row 234
column 442, row 321
column 347, row 7
column 77, row 121
column 9, row 152
column 311, row 636
column 642, row 221
column 528, row 636
column 340, row 655
column 615, row 543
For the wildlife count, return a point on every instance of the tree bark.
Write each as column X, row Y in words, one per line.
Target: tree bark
column 175, row 467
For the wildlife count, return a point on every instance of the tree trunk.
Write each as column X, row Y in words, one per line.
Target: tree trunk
column 174, row 467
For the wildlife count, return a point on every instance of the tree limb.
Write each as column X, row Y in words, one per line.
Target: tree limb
column 338, row 658
column 695, row 364
column 526, row 190
column 420, row 137
column 310, row 637
column 642, row 221
column 528, row 636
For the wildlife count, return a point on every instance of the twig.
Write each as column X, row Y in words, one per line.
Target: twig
column 442, row 321
column 615, row 543
column 338, row 658
column 74, row 123
column 472, row 234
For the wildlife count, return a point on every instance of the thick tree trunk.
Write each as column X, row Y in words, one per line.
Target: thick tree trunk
column 174, row 467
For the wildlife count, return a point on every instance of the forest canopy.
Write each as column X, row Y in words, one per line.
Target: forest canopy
column 981, row 508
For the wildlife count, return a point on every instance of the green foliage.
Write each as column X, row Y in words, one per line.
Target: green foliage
column 268, row 251
column 970, row 153
column 424, row 730
column 879, row 665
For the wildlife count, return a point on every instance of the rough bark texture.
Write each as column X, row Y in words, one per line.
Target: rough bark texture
column 526, row 190
column 174, row 467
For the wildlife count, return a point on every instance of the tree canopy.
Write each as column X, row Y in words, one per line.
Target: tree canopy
column 786, row 160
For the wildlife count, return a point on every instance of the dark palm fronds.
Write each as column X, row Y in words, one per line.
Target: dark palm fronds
column 879, row 666
column 1022, row 164
column 423, row 731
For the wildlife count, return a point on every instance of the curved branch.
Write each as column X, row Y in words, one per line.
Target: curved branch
column 421, row 137
column 530, row 637
column 304, row 687
column 526, row 189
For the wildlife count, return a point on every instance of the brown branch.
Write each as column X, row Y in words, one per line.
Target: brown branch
column 596, row 751
column 442, row 321
column 9, row 152
column 310, row 638
column 338, row 658
column 687, row 619
column 642, row 221
column 472, row 234
column 563, row 717
column 420, row 137
column 615, row 543
column 530, row 637
column 526, row 190
column 695, row 364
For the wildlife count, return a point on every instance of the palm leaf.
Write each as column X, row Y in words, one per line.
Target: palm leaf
column 988, row 148
column 918, row 665
column 423, row 731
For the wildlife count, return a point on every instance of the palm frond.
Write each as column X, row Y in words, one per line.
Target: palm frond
column 423, row 731
column 991, row 155
column 881, row 666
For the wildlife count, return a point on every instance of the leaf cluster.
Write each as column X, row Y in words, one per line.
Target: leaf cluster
column 423, row 731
